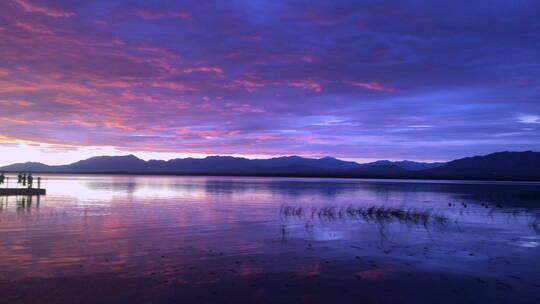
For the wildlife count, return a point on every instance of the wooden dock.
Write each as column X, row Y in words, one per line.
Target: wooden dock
column 22, row 191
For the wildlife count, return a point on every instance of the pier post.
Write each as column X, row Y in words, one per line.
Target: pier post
column 39, row 182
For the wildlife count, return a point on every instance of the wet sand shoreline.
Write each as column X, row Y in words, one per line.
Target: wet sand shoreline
column 332, row 281
column 373, row 275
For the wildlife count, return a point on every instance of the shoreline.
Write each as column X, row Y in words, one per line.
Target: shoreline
column 315, row 280
column 329, row 176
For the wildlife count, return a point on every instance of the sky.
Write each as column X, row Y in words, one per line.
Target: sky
column 357, row 80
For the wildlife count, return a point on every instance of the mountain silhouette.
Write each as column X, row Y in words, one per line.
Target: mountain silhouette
column 107, row 164
column 27, row 167
column 210, row 164
column 404, row 164
column 496, row 166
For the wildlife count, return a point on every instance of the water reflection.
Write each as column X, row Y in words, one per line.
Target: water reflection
column 20, row 202
column 185, row 228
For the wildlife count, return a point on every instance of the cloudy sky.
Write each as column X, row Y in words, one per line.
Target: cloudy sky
column 357, row 80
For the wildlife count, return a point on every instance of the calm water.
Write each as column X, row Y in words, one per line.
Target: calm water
column 210, row 231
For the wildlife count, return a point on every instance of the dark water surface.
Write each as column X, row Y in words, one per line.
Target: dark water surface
column 162, row 239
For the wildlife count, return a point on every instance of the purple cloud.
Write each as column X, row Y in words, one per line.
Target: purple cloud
column 356, row 80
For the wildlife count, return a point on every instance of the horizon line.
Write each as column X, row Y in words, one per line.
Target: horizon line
column 248, row 158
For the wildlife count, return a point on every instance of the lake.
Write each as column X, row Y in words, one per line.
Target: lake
column 160, row 239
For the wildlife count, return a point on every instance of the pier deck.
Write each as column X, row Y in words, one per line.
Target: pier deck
column 22, row 191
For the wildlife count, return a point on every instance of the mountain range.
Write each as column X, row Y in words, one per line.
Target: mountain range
column 496, row 166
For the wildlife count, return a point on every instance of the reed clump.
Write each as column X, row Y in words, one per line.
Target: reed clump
column 380, row 214
column 535, row 223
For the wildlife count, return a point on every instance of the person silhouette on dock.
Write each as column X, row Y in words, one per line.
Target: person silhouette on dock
column 2, row 178
column 24, row 179
column 19, row 178
column 30, row 180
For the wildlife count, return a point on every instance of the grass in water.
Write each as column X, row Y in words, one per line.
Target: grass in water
column 535, row 223
column 379, row 214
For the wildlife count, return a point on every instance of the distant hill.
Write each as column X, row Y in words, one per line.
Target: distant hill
column 211, row 164
column 404, row 164
column 496, row 166
column 27, row 167
column 106, row 164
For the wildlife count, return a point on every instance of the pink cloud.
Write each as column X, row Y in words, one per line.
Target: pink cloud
column 33, row 28
column 133, row 97
column 22, row 103
column 374, row 86
column 246, row 108
column 26, row 122
column 249, row 85
column 119, row 125
column 158, row 50
column 173, row 86
column 206, row 133
column 216, row 70
column 310, row 59
column 307, row 85
column 101, row 22
column 84, row 123
column 32, row 8
column 14, row 86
